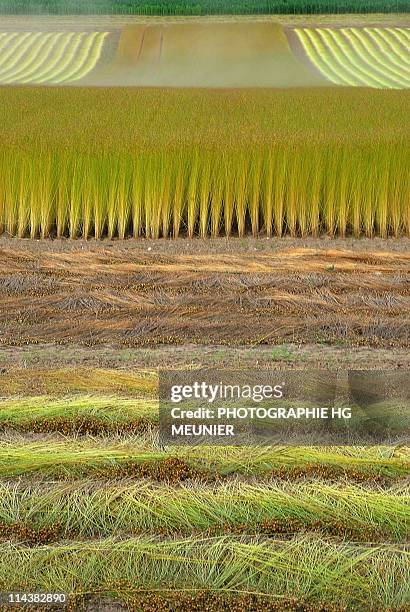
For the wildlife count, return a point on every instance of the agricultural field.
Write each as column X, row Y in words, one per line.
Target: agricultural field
column 226, row 53
column 186, row 193
column 185, row 54
column 37, row 57
column 91, row 502
column 166, row 293
column 371, row 57
column 149, row 162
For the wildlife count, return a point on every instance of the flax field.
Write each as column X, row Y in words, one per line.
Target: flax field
column 146, row 162
column 222, row 193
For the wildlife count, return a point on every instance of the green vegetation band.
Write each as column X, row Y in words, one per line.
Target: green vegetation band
column 201, row 7
column 129, row 162
column 358, row 577
column 296, row 189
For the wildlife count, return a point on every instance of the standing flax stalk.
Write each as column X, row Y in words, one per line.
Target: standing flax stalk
column 154, row 164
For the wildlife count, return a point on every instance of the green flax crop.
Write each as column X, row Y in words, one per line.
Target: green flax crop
column 95, row 162
column 88, row 509
column 356, row 577
column 85, row 457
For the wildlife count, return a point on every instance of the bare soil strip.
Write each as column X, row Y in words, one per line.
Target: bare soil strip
column 28, row 367
column 206, row 54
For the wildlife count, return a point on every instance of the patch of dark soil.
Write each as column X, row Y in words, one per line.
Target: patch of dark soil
column 328, row 472
column 30, row 535
column 215, row 602
column 79, row 426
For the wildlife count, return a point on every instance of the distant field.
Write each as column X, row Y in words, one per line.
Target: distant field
column 207, row 55
column 48, row 57
column 370, row 57
column 202, row 53
column 175, row 55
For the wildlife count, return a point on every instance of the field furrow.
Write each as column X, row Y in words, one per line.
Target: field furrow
column 55, row 71
column 23, row 73
column 13, row 52
column 47, row 71
column 371, row 57
column 403, row 36
column 85, row 59
column 386, row 65
column 26, row 62
column 389, row 47
column 379, row 64
column 317, row 53
column 345, row 56
column 47, row 57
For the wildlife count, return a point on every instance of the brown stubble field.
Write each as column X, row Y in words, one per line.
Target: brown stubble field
column 231, row 293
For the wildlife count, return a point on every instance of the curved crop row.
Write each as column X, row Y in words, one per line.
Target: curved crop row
column 48, row 57
column 370, row 57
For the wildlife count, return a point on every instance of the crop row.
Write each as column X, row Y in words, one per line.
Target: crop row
column 87, row 509
column 110, row 411
column 53, row 57
column 371, row 57
column 359, row 576
column 300, row 189
column 67, row 381
column 138, row 459
column 99, row 416
column 156, row 163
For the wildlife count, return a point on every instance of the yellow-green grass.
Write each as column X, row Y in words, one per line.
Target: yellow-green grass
column 119, row 162
column 85, row 508
column 369, row 57
column 80, row 380
column 112, row 410
column 71, row 458
column 102, row 415
column 48, row 57
column 362, row 577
